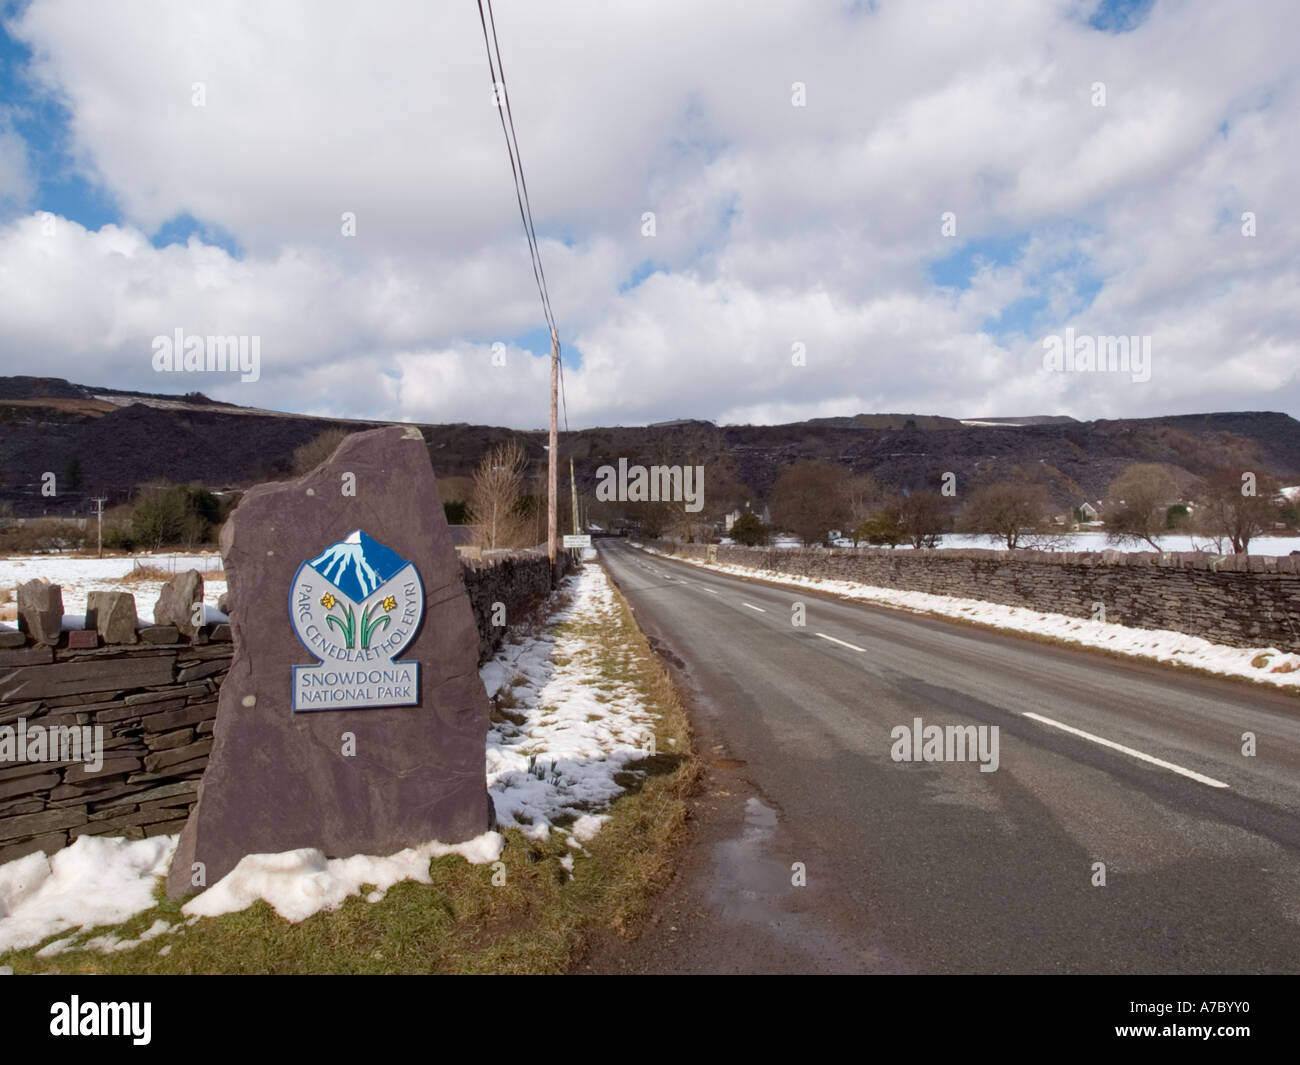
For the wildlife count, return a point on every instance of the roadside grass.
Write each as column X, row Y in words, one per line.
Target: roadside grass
column 535, row 919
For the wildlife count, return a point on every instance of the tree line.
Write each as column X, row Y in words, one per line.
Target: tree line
column 1226, row 509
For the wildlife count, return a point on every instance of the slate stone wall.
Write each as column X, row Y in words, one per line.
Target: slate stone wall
column 520, row 582
column 156, row 703
column 1238, row 600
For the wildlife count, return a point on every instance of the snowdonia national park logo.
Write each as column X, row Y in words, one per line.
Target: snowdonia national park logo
column 356, row 606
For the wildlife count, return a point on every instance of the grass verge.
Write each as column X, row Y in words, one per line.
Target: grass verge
column 537, row 921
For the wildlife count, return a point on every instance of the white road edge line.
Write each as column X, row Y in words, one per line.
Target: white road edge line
column 842, row 643
column 753, row 607
column 1126, row 750
column 712, row 591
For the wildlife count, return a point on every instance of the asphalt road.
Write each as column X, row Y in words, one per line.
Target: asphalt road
column 936, row 866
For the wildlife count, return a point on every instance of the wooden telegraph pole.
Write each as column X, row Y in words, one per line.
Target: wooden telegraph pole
column 553, row 451
column 573, row 490
column 99, row 517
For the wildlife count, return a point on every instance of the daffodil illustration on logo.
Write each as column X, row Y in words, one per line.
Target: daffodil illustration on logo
column 356, row 607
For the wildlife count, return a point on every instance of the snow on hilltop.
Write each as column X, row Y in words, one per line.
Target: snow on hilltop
column 357, row 565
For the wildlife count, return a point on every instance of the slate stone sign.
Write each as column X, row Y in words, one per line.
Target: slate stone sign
column 353, row 718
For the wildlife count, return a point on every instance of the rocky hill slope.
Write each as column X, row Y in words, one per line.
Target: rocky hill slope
column 100, row 441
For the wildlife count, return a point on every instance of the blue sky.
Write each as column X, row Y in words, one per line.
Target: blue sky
column 776, row 225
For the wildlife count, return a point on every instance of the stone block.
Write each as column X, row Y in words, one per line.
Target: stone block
column 90, row 791
column 70, row 678
column 160, row 634
column 203, row 669
column 140, row 698
column 168, row 740
column 26, row 785
column 115, row 765
column 40, row 611
column 42, row 823
column 48, row 843
column 176, row 604
column 167, row 791
column 184, row 714
column 112, row 615
column 156, row 763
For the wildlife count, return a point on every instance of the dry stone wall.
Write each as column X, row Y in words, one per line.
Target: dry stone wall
column 1238, row 600
column 152, row 694
column 520, row 583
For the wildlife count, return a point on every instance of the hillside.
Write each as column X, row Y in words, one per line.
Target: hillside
column 120, row 440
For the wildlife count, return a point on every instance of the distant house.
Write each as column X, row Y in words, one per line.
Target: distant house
column 1089, row 511
column 729, row 520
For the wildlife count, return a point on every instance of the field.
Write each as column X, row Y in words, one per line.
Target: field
column 143, row 575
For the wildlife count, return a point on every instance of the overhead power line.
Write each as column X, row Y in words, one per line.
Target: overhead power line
column 496, row 71
column 501, row 98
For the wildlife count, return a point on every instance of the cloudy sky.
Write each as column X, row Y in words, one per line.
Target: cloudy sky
column 868, row 206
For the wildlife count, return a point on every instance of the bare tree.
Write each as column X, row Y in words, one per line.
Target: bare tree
column 923, row 517
column 717, row 487
column 808, row 499
column 1137, row 502
column 1236, row 506
column 862, row 497
column 495, row 500
column 1009, row 510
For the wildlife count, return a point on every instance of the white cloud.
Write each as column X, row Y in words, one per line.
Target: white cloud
column 775, row 224
column 16, row 185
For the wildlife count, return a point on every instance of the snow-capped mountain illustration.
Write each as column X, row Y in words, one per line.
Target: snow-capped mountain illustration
column 357, row 565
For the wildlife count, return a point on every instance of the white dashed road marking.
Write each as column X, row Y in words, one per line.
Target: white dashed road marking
column 842, row 643
column 1127, row 750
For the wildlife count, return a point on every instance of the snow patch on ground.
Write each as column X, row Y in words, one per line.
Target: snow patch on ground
column 96, row 881
column 300, row 883
column 77, row 576
column 578, row 730
column 1278, row 668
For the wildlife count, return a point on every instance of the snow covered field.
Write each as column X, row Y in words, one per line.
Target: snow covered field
column 552, row 771
column 77, row 576
column 1275, row 667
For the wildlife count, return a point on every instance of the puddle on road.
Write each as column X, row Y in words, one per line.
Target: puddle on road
column 751, row 888
column 746, row 882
